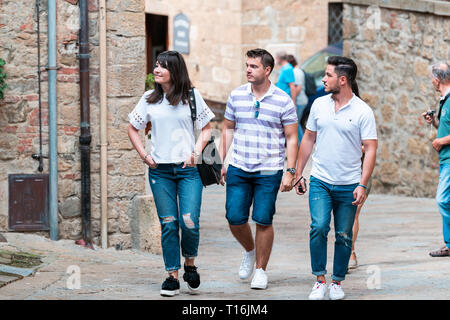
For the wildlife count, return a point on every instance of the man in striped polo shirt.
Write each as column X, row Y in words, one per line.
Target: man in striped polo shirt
column 261, row 121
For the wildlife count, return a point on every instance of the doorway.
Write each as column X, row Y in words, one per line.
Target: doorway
column 157, row 36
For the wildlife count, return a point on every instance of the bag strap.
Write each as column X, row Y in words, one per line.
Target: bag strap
column 441, row 104
column 192, row 104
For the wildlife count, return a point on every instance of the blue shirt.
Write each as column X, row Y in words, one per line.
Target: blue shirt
column 286, row 76
column 444, row 130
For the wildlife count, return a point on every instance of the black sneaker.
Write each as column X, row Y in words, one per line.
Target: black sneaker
column 192, row 278
column 170, row 287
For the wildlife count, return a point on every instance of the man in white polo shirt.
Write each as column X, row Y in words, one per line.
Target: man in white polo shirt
column 339, row 124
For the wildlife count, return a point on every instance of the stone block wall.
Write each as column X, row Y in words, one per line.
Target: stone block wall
column 393, row 46
column 214, row 62
column 297, row 27
column 223, row 31
column 19, row 123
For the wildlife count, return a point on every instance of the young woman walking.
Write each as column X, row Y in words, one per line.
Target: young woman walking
column 173, row 175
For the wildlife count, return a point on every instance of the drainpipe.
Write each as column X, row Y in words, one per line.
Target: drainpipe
column 52, row 124
column 85, row 137
column 103, row 128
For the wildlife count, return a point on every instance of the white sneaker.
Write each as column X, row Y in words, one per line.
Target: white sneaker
column 318, row 291
column 259, row 280
column 247, row 264
column 336, row 292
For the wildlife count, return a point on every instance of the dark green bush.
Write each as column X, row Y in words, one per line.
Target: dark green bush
column 150, row 82
column 3, row 75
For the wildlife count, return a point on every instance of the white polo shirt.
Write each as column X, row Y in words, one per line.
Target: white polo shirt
column 337, row 157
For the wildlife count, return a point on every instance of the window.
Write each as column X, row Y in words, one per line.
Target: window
column 334, row 23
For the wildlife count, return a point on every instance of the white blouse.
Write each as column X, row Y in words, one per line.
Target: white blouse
column 172, row 133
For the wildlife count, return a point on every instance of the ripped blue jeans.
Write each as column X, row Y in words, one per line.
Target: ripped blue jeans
column 324, row 198
column 178, row 195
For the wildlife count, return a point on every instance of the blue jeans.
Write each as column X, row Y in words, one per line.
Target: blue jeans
column 324, row 198
column 171, row 185
column 443, row 199
column 245, row 188
column 300, row 111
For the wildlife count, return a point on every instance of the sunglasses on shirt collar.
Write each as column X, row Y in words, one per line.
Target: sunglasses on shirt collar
column 257, row 105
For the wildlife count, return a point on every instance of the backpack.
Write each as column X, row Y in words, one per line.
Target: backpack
column 310, row 84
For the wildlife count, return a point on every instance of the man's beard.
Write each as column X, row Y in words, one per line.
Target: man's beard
column 334, row 90
column 257, row 81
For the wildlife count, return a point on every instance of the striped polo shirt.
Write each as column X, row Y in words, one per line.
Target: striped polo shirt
column 259, row 143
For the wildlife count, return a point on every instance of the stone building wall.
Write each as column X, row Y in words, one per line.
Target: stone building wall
column 19, row 123
column 297, row 27
column 214, row 61
column 223, row 31
column 393, row 46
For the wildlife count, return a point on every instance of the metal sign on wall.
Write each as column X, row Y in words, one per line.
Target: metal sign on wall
column 181, row 33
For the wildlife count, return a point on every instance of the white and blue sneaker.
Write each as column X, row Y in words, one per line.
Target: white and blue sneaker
column 336, row 292
column 318, row 291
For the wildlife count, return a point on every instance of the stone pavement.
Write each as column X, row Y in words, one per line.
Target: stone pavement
column 396, row 234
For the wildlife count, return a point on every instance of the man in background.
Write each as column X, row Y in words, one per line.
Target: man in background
column 440, row 77
column 286, row 78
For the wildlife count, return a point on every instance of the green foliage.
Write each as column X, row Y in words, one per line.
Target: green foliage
column 150, row 82
column 3, row 75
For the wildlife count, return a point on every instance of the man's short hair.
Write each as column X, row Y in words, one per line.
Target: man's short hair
column 267, row 59
column 441, row 71
column 291, row 59
column 282, row 55
column 344, row 66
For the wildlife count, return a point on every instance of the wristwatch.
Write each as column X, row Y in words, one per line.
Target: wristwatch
column 291, row 171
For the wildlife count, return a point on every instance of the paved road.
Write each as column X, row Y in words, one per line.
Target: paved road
column 396, row 234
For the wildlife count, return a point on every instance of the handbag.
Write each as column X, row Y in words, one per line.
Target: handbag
column 209, row 165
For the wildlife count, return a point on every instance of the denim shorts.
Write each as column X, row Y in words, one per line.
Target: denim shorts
column 246, row 188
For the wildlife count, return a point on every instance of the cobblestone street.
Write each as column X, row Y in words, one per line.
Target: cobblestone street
column 396, row 234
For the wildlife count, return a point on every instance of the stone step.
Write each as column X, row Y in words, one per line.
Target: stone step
column 6, row 278
column 24, row 272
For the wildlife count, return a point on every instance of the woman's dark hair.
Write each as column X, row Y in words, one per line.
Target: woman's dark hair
column 291, row 59
column 345, row 67
column 267, row 59
column 174, row 62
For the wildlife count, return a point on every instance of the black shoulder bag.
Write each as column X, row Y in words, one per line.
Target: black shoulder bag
column 209, row 163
